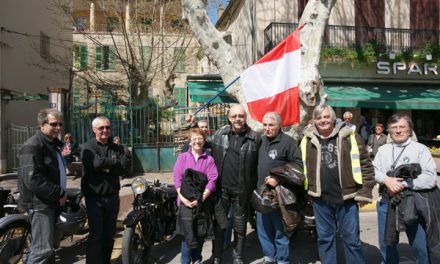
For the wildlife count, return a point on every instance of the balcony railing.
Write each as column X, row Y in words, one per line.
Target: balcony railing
column 387, row 39
column 117, row 28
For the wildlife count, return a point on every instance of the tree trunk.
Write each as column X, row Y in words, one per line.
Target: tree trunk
column 315, row 16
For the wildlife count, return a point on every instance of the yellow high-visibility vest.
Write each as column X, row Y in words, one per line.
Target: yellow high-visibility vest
column 355, row 160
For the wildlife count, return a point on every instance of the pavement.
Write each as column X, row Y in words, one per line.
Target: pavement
column 73, row 250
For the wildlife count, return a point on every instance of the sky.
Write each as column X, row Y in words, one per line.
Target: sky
column 212, row 8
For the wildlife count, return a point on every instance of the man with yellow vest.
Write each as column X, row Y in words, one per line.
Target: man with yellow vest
column 340, row 178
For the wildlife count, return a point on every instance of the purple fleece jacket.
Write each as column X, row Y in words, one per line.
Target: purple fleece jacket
column 204, row 163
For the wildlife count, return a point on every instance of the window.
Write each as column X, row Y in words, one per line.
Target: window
column 112, row 23
column 176, row 24
column 180, row 93
column 105, row 58
column 145, row 23
column 44, row 46
column 79, row 23
column 80, row 57
column 145, row 53
column 179, row 58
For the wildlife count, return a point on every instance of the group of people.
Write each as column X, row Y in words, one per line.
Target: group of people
column 340, row 173
column 42, row 185
column 341, row 168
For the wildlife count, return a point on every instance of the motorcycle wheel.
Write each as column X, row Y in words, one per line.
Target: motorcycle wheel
column 134, row 248
column 15, row 240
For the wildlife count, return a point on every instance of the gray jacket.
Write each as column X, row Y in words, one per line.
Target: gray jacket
column 413, row 152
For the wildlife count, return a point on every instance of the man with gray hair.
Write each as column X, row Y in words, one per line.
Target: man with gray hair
column 42, row 183
column 104, row 162
column 340, row 178
column 276, row 150
column 348, row 117
column 401, row 151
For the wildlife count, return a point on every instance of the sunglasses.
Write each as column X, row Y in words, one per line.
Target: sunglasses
column 55, row 124
column 101, row 128
column 236, row 116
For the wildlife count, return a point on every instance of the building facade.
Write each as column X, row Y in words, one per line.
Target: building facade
column 379, row 56
column 30, row 50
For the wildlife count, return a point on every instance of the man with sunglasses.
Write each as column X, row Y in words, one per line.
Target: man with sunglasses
column 104, row 162
column 235, row 151
column 42, row 183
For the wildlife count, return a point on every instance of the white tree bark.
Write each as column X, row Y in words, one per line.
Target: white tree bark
column 315, row 16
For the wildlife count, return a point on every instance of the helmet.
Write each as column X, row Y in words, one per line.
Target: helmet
column 265, row 201
column 71, row 220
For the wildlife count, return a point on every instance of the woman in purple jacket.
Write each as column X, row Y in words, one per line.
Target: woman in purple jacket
column 196, row 159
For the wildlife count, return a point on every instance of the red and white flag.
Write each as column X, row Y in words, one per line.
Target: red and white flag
column 272, row 83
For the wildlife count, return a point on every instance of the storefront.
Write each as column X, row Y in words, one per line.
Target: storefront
column 377, row 92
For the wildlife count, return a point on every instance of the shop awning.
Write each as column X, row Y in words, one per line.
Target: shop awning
column 385, row 97
column 202, row 92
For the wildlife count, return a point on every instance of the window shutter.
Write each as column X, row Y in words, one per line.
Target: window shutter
column 98, row 57
column 83, row 56
column 112, row 58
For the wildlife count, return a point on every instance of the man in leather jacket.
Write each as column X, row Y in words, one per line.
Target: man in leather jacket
column 42, row 183
column 103, row 162
column 235, row 151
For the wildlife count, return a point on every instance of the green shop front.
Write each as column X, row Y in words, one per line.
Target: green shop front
column 381, row 89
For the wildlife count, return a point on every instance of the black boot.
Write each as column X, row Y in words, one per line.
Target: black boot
column 237, row 252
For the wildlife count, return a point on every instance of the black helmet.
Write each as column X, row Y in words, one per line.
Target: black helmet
column 71, row 221
column 264, row 201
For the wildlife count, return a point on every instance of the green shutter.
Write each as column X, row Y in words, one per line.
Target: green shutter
column 83, row 56
column 98, row 57
column 76, row 96
column 76, row 60
column 112, row 58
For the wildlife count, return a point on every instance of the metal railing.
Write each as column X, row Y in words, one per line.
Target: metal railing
column 388, row 39
column 151, row 124
column 16, row 135
column 135, row 28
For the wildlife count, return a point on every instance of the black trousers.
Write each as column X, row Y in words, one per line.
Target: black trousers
column 230, row 199
column 102, row 213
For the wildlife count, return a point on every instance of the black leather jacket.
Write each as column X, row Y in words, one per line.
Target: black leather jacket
column 102, row 170
column 219, row 142
column 39, row 173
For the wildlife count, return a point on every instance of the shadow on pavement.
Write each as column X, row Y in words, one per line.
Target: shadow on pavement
column 71, row 253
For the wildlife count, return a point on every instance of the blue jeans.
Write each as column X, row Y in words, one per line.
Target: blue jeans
column 329, row 217
column 273, row 239
column 190, row 254
column 102, row 213
column 43, row 229
column 416, row 237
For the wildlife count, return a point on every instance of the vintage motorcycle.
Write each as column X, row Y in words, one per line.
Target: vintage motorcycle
column 15, row 227
column 152, row 219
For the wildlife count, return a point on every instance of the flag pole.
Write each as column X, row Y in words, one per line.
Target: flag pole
column 215, row 96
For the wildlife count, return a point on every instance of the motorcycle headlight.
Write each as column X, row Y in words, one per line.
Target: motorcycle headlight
column 138, row 185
